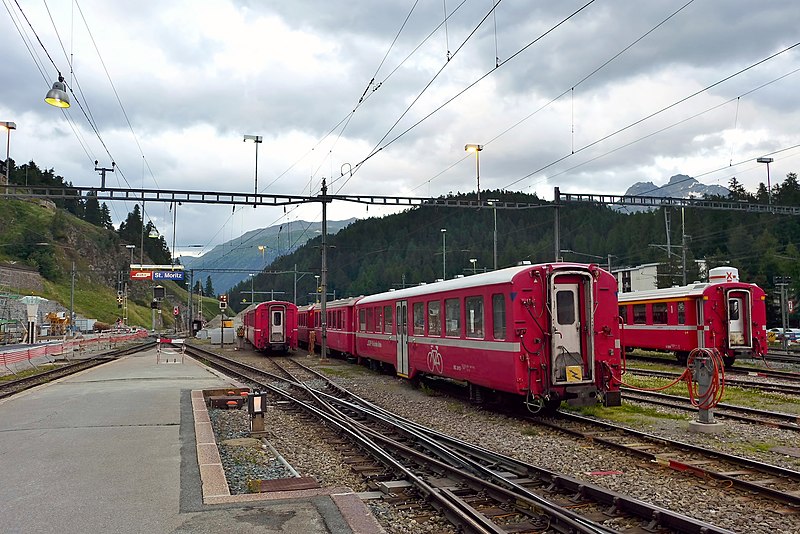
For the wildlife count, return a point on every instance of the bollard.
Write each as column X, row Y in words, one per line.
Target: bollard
column 256, row 404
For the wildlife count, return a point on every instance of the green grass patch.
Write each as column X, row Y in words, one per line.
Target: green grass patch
column 627, row 413
column 26, row 373
column 344, row 371
column 738, row 396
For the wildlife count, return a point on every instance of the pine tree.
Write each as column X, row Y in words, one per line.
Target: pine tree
column 209, row 289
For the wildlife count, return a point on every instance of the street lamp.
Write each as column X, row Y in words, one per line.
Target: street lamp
column 262, row 249
column 131, row 247
column 57, row 96
column 8, row 125
column 471, row 147
column 444, row 254
column 493, row 202
column 474, row 262
column 769, row 187
column 257, row 140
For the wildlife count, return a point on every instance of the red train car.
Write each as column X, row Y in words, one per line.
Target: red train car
column 271, row 326
column 724, row 314
column 545, row 333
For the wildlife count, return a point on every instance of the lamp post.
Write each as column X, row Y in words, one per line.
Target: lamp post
column 471, row 147
column 257, row 140
column 474, row 262
column 8, row 125
column 493, row 202
column 262, row 249
column 444, row 254
column 769, row 187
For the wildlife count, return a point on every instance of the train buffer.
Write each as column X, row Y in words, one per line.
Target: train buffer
column 226, row 401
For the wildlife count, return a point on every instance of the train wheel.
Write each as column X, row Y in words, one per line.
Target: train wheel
column 728, row 361
column 682, row 357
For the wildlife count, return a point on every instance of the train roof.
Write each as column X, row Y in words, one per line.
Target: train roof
column 692, row 290
column 500, row 276
column 349, row 301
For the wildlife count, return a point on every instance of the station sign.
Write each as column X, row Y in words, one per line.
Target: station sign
column 141, row 275
column 167, row 275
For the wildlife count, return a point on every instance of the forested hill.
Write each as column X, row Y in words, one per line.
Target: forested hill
column 377, row 254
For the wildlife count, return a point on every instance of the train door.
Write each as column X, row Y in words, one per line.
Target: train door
column 738, row 319
column 572, row 354
column 277, row 332
column 401, row 323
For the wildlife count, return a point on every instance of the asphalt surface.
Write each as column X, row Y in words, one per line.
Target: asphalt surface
column 112, row 449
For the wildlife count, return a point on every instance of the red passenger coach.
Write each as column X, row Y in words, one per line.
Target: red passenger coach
column 724, row 314
column 272, row 326
column 545, row 333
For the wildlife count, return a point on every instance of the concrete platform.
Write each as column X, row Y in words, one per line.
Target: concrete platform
column 115, row 449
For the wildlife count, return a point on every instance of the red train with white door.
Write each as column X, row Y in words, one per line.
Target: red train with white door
column 271, row 326
column 543, row 333
column 724, row 314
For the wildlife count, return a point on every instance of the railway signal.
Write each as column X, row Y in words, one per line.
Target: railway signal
column 223, row 302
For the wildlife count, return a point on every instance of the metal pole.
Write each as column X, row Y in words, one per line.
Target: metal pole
column 189, row 302
column 8, row 154
column 252, row 292
column 683, row 245
column 324, row 273
column 556, row 222
column 495, row 236
column 141, row 247
column 255, row 190
column 609, row 263
column 294, row 298
column 72, row 301
column 478, row 166
column 444, row 254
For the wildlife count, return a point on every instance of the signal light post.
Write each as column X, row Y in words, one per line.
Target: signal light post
column 223, row 305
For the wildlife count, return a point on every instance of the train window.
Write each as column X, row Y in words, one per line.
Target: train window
column 681, row 313
column 434, row 318
column 387, row 314
column 339, row 320
column 733, row 310
column 419, row 319
column 452, row 317
column 362, row 320
column 370, row 319
column 565, row 307
column 660, row 313
column 277, row 318
column 499, row 315
column 623, row 313
column 639, row 314
column 379, row 319
column 474, row 308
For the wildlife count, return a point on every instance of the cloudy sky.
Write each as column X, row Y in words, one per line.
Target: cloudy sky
column 590, row 96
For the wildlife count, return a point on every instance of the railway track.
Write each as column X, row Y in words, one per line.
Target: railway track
column 12, row 387
column 770, row 481
column 771, row 387
column 725, row 411
column 476, row 489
